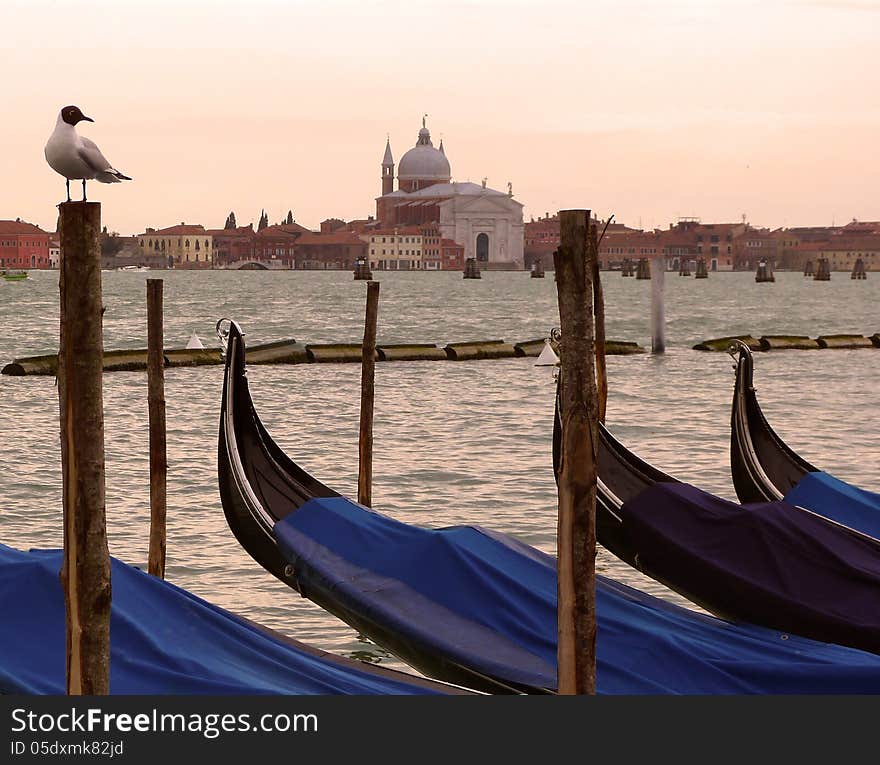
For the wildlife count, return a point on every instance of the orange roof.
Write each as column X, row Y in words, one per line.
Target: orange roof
column 239, row 231
column 183, row 228
column 399, row 230
column 287, row 230
column 19, row 227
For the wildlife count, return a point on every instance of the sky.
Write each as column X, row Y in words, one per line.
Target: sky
column 648, row 109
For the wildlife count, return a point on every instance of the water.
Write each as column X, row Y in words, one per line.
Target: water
column 455, row 442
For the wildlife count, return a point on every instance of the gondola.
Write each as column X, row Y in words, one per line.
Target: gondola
column 476, row 607
column 165, row 640
column 765, row 469
column 774, row 563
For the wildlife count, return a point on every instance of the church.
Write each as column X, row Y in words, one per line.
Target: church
column 487, row 223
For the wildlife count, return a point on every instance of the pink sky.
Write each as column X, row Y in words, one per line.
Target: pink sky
column 650, row 110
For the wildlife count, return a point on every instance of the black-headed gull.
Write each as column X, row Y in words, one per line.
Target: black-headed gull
column 75, row 157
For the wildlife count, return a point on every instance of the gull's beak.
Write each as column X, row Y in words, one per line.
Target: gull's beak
column 87, row 119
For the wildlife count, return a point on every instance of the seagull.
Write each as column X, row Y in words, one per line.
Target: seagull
column 75, row 157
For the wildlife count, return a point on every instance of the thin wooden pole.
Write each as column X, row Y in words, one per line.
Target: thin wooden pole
column 368, row 381
column 658, row 311
column 85, row 573
column 576, row 532
column 599, row 311
column 156, row 402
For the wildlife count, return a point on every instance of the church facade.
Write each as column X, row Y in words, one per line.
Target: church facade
column 487, row 223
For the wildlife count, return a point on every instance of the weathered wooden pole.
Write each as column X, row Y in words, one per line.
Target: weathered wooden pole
column 85, row 574
column 599, row 311
column 368, row 381
column 576, row 531
column 156, row 403
column 658, row 310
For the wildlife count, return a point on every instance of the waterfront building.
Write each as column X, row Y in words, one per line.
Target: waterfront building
column 339, row 250
column 275, row 244
column 23, row 245
column 54, row 251
column 183, row 246
column 843, row 251
column 486, row 222
column 232, row 245
column 396, row 249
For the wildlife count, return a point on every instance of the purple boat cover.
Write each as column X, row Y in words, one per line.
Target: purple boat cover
column 769, row 563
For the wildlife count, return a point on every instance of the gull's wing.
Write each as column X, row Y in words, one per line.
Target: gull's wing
column 89, row 153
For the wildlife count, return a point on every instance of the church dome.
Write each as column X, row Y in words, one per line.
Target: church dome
column 423, row 161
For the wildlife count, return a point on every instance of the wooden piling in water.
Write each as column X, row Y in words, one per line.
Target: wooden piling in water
column 576, row 532
column 471, row 269
column 368, row 387
column 643, row 271
column 537, row 269
column 823, row 271
column 702, row 271
column 764, row 273
column 156, row 405
column 808, row 268
column 684, row 267
column 599, row 314
column 858, row 271
column 658, row 308
column 85, row 574
column 362, row 270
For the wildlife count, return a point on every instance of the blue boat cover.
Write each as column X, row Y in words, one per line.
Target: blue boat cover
column 164, row 640
column 842, row 502
column 768, row 563
column 489, row 602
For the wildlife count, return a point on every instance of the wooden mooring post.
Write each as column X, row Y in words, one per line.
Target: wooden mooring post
column 85, row 574
column 658, row 308
column 368, row 388
column 599, row 313
column 858, row 271
column 156, row 404
column 576, row 531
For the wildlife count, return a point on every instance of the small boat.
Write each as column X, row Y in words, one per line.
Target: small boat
column 133, row 268
column 478, row 608
column 773, row 563
column 166, row 640
column 765, row 469
column 14, row 276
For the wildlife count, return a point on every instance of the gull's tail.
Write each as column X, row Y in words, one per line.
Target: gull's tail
column 111, row 176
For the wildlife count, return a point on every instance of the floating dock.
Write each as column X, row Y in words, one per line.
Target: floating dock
column 791, row 342
column 293, row 352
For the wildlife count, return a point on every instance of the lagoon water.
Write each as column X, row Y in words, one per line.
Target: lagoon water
column 455, row 442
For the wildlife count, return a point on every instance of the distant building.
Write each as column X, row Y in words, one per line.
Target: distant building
column 395, row 249
column 23, row 245
column 54, row 251
column 232, row 245
column 451, row 255
column 330, row 225
column 488, row 223
column 183, row 246
column 276, row 243
column 337, row 251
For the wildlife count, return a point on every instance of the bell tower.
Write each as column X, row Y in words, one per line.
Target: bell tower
column 387, row 170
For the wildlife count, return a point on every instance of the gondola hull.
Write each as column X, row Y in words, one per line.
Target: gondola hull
column 479, row 608
column 763, row 467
